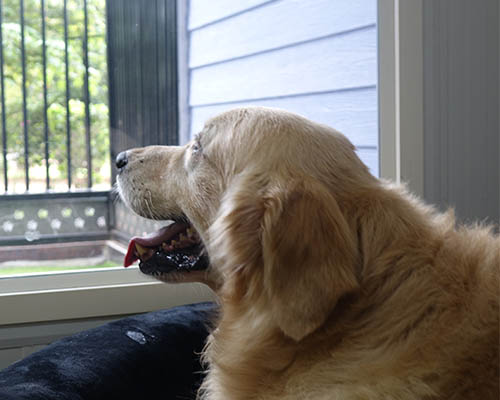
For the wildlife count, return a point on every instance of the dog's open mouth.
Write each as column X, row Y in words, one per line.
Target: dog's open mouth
column 174, row 248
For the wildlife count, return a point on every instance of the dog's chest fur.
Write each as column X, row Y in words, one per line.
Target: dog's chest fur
column 249, row 359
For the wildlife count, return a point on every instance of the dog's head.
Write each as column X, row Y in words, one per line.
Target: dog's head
column 265, row 192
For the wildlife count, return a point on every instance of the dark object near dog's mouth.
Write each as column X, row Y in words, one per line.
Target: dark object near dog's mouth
column 174, row 248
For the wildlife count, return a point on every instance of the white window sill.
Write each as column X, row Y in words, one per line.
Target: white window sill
column 90, row 293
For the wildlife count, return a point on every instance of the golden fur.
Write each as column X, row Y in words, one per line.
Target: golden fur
column 333, row 284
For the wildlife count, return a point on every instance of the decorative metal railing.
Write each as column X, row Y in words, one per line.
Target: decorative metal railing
column 54, row 102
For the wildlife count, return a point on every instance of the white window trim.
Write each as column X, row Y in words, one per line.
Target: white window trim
column 89, row 294
column 115, row 291
column 96, row 301
column 183, row 65
column 400, row 84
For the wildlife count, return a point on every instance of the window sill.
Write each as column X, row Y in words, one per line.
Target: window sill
column 89, row 294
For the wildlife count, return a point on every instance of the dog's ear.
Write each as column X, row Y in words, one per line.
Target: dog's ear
column 309, row 256
column 234, row 237
column 290, row 244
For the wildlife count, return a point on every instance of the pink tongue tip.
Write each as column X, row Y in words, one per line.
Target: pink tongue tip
column 131, row 256
column 152, row 240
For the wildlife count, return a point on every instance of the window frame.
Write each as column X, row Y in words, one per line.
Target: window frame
column 90, row 294
column 400, row 84
column 115, row 291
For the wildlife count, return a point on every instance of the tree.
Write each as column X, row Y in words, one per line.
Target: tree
column 56, row 89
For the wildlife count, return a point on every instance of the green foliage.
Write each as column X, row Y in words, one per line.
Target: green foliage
column 56, row 90
column 33, row 269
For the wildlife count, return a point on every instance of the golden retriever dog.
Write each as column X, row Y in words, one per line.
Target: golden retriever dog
column 332, row 284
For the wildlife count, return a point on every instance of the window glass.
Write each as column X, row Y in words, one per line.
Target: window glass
column 317, row 58
column 54, row 136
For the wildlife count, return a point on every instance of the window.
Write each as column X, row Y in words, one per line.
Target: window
column 55, row 159
column 78, row 216
column 317, row 58
column 54, row 100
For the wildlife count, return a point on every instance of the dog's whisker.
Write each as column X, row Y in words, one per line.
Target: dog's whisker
column 149, row 205
column 116, row 193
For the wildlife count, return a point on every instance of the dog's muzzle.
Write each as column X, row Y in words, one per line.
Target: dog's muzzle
column 174, row 248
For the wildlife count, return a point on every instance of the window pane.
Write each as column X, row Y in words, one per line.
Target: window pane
column 55, row 137
column 316, row 58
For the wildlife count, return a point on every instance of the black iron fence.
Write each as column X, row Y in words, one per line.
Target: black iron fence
column 54, row 101
column 56, row 123
column 142, row 54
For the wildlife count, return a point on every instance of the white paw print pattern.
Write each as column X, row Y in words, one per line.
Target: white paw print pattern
column 101, row 222
column 55, row 224
column 8, row 226
column 79, row 223
column 32, row 225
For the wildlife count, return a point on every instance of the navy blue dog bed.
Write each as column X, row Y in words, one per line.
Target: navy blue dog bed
column 149, row 356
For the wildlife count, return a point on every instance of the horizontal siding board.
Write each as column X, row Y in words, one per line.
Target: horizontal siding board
column 333, row 63
column 276, row 25
column 353, row 113
column 204, row 12
column 317, row 58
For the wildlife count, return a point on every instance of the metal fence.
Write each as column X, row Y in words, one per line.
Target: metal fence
column 142, row 54
column 53, row 142
column 139, row 44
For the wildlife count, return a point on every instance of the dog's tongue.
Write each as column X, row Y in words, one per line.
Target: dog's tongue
column 152, row 240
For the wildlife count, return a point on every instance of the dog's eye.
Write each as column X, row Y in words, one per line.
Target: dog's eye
column 196, row 146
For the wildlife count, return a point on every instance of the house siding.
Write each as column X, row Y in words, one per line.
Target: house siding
column 317, row 58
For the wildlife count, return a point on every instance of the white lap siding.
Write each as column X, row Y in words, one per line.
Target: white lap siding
column 317, row 58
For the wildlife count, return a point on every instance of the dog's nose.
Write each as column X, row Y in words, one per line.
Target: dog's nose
column 121, row 160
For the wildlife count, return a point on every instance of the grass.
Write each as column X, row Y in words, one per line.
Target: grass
column 51, row 268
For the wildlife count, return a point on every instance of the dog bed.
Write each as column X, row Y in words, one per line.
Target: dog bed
column 148, row 356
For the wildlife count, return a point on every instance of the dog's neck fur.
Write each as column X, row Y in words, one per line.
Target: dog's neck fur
column 250, row 358
column 251, row 354
column 247, row 351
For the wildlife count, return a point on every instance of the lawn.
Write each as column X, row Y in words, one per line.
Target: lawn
column 33, row 269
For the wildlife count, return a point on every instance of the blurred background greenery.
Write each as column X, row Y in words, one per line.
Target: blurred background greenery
column 56, row 94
